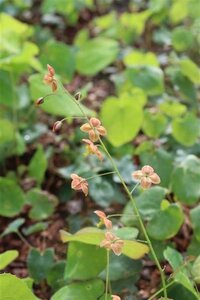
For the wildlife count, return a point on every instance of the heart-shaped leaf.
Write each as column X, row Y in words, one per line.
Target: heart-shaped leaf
column 185, row 180
column 122, row 118
column 11, row 198
column 95, row 236
column 172, row 217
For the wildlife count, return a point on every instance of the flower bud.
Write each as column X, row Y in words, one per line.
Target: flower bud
column 39, row 101
column 56, row 126
column 51, row 70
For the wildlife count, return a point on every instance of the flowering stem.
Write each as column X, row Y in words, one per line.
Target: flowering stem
column 137, row 184
column 161, row 290
column 107, row 272
column 99, row 175
column 136, row 211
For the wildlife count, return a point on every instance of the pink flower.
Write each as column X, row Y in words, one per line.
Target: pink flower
column 49, row 78
column 103, row 219
column 94, row 129
column 92, row 148
column 146, row 176
column 115, row 297
column 79, row 184
column 113, row 243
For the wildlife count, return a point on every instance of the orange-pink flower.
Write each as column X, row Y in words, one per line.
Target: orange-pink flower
column 115, row 297
column 79, row 184
column 50, row 79
column 93, row 149
column 94, row 129
column 113, row 243
column 103, row 219
column 146, row 176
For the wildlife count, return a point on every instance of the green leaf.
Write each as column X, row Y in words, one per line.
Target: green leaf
column 181, row 274
column 7, row 132
column 190, row 70
column 172, row 217
column 186, row 129
column 6, row 89
column 102, row 192
column 79, row 255
column 137, row 58
column 122, row 118
column 122, row 267
column 178, row 291
column 182, row 39
column 95, row 236
column 88, row 290
column 13, row 227
column 96, row 54
column 39, row 264
column 173, row 109
column 194, row 214
column 59, row 104
column 185, row 180
column 196, row 270
column 13, row 288
column 55, row 276
column 150, row 79
column 11, row 198
column 7, row 257
column 40, row 226
column 51, row 54
column 149, row 202
column 154, row 124
column 38, row 165
column 43, row 204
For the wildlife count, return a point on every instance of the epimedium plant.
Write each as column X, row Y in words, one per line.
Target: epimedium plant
column 169, row 121
column 110, row 240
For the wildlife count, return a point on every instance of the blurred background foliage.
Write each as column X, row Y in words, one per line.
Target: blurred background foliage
column 136, row 64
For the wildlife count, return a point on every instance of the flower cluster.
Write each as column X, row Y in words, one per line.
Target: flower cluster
column 146, row 176
column 79, row 184
column 92, row 149
column 94, row 129
column 111, row 241
column 49, row 78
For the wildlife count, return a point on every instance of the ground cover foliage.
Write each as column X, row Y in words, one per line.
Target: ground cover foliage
column 135, row 67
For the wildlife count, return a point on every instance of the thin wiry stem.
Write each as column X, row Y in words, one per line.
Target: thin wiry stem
column 107, row 272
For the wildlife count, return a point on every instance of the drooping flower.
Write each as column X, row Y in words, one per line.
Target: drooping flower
column 39, row 101
column 93, row 149
column 94, row 129
column 146, row 176
column 56, row 126
column 115, row 297
column 112, row 242
column 79, row 184
column 49, row 78
column 103, row 219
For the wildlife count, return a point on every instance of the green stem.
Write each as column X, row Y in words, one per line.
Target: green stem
column 107, row 272
column 137, row 184
column 161, row 290
column 103, row 174
column 136, row 211
column 23, row 239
